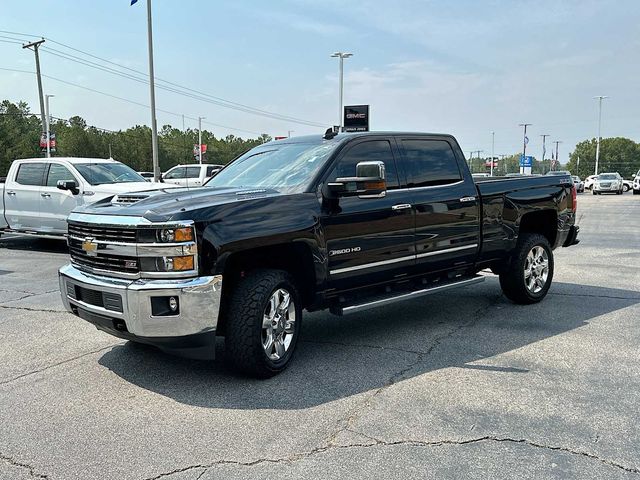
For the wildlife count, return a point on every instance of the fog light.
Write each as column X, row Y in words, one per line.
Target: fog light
column 173, row 303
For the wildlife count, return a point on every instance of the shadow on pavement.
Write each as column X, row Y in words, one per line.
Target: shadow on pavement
column 29, row 243
column 342, row 356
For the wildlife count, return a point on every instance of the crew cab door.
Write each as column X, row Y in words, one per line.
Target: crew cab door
column 445, row 200
column 369, row 239
column 22, row 195
column 56, row 204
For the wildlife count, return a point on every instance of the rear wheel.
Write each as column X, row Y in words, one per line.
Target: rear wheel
column 528, row 275
column 263, row 323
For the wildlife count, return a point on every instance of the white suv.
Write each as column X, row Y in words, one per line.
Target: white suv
column 608, row 183
column 636, row 184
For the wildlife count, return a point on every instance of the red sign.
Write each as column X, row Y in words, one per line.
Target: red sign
column 196, row 150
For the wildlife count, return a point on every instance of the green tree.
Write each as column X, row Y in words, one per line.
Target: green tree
column 617, row 154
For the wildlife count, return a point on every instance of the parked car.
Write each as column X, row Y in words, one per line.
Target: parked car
column 578, row 183
column 589, row 181
column 636, row 184
column 39, row 193
column 627, row 185
column 343, row 222
column 191, row 175
column 608, row 183
column 148, row 176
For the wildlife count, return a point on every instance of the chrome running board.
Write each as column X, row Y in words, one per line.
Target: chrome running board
column 386, row 300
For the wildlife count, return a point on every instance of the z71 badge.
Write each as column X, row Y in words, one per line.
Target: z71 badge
column 342, row 251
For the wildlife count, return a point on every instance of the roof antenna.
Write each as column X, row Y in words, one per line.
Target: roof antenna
column 331, row 132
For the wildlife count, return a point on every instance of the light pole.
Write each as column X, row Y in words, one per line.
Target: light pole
column 544, row 149
column 289, row 133
column 557, row 142
column 525, row 140
column 200, row 138
column 493, row 148
column 152, row 95
column 341, row 56
column 48, row 122
column 599, row 98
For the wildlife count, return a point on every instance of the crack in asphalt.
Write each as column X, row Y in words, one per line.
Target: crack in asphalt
column 27, row 294
column 15, row 463
column 31, row 309
column 346, row 423
column 415, row 443
column 62, row 362
column 593, row 296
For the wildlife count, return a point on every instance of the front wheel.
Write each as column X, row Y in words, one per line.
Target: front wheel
column 263, row 323
column 528, row 275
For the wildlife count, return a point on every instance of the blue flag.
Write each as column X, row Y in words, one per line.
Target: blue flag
column 133, row 1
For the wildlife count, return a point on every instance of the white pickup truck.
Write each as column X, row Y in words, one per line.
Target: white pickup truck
column 191, row 175
column 39, row 193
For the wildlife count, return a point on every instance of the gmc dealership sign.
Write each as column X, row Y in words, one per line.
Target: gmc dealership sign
column 356, row 118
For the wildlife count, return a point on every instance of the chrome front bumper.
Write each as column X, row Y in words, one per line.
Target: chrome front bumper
column 199, row 304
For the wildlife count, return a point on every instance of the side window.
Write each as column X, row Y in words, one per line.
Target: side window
column 429, row 163
column 193, row 172
column 176, row 173
column 58, row 172
column 210, row 170
column 31, row 174
column 368, row 151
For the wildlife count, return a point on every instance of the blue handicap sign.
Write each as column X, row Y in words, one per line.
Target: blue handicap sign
column 526, row 161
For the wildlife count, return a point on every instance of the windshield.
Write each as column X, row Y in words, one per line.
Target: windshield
column 558, row 172
column 607, row 176
column 288, row 167
column 102, row 173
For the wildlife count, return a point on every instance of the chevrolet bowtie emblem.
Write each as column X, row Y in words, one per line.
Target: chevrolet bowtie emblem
column 89, row 246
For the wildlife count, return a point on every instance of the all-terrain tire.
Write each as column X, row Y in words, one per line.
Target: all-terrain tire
column 512, row 279
column 243, row 340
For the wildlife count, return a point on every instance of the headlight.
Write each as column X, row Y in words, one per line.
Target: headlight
column 170, row 235
column 168, row 264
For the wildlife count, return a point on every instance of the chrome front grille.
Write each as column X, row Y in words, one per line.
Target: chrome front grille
column 101, row 261
column 112, row 234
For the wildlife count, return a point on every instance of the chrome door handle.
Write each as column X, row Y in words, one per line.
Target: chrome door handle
column 468, row 199
column 45, row 195
column 11, row 193
column 401, row 206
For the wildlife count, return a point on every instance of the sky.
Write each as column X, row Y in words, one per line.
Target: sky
column 463, row 67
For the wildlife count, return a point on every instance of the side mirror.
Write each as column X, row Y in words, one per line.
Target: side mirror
column 369, row 182
column 70, row 185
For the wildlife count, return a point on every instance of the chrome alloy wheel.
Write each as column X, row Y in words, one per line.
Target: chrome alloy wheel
column 278, row 324
column 536, row 269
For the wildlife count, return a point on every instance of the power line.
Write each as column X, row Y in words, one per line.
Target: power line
column 142, row 77
column 127, row 100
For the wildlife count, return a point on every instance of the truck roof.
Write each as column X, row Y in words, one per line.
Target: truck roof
column 318, row 138
column 69, row 159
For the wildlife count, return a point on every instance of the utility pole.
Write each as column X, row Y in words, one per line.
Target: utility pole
column 493, row 145
column 48, row 121
column 557, row 142
column 110, row 150
column 35, row 46
column 200, row 138
column 525, row 140
column 289, row 133
column 152, row 95
column 599, row 98
column 578, row 166
column 341, row 56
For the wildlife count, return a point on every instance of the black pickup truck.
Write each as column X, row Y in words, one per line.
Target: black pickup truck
column 342, row 222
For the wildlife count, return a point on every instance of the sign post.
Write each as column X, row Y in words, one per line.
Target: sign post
column 356, row 118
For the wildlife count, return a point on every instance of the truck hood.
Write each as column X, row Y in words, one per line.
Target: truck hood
column 177, row 201
column 109, row 189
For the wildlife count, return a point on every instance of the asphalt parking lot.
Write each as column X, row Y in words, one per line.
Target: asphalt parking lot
column 461, row 384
